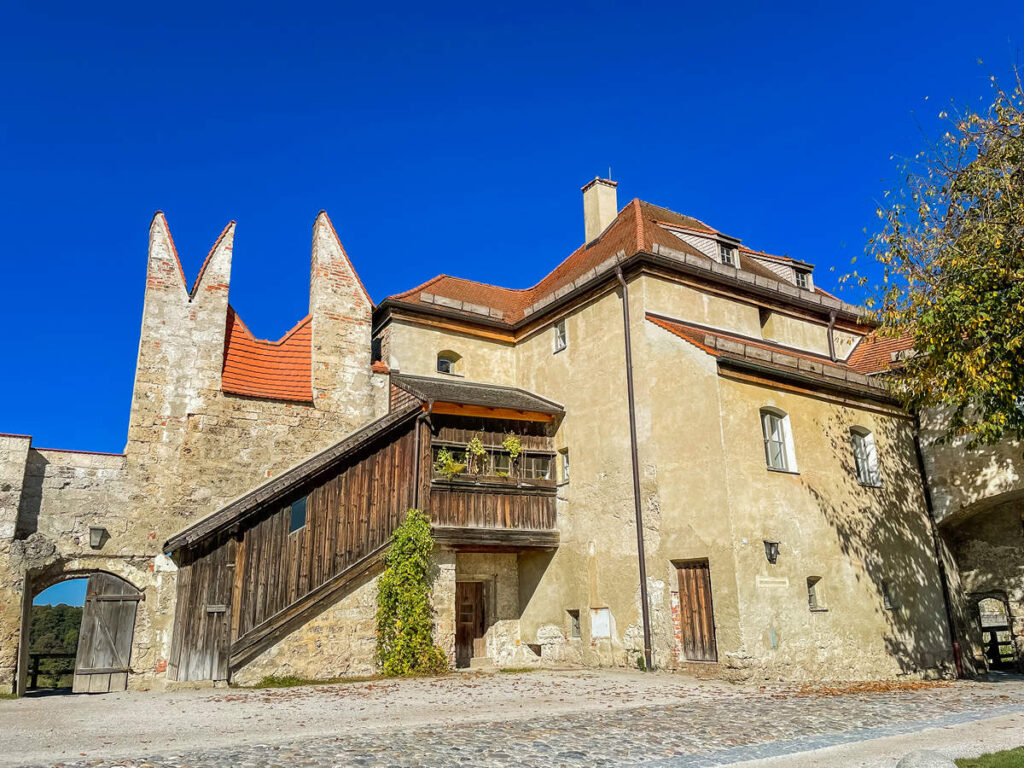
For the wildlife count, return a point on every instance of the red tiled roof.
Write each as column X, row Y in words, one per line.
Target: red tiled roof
column 638, row 227
column 873, row 354
column 733, row 346
column 279, row 370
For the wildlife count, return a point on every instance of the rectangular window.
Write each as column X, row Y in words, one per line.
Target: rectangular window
column 886, row 596
column 803, row 279
column 813, row 597
column 535, row 467
column 563, row 457
column 561, row 340
column 298, row 517
column 865, row 457
column 727, row 255
column 574, row 623
column 774, row 427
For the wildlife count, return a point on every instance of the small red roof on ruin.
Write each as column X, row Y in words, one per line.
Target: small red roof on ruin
column 279, row 370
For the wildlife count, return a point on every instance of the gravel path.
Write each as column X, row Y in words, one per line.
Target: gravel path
column 535, row 719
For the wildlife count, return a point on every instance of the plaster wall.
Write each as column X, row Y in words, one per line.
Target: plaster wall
column 829, row 526
column 963, row 479
column 413, row 349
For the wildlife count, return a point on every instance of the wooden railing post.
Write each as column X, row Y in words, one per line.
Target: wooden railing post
column 35, row 671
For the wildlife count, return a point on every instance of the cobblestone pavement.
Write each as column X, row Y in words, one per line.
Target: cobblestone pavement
column 734, row 724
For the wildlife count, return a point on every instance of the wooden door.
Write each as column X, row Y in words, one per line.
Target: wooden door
column 469, row 621
column 105, row 639
column 201, row 646
column 696, row 612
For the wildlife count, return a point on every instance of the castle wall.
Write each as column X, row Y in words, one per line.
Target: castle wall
column 191, row 447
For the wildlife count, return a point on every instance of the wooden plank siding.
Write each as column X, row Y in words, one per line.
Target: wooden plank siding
column 348, row 516
column 246, row 585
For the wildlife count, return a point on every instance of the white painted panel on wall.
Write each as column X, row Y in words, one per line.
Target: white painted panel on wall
column 600, row 623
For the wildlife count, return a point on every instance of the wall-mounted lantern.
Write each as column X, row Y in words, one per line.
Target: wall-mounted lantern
column 97, row 534
column 771, row 551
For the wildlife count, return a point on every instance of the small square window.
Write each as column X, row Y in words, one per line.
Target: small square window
column 803, row 279
column 561, row 340
column 574, row 623
column 298, row 516
column 727, row 255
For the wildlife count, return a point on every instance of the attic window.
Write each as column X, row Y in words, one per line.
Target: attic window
column 803, row 279
column 727, row 255
column 448, row 362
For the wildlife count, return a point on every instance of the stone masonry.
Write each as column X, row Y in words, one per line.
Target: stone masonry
column 182, row 425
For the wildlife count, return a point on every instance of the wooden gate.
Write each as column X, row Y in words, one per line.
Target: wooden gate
column 105, row 639
column 469, row 622
column 696, row 613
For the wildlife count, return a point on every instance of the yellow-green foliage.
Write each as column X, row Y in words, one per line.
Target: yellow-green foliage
column 951, row 249
column 446, row 464
column 405, row 621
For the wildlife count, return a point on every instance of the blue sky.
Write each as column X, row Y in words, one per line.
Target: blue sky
column 68, row 592
column 439, row 137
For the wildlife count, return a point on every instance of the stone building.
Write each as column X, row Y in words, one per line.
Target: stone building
column 713, row 392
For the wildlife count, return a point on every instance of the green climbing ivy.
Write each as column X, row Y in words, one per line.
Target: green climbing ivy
column 405, row 622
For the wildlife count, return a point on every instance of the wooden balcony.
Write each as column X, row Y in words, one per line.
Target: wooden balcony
column 487, row 512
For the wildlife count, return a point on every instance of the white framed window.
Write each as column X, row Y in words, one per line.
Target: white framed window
column 448, row 362
column 865, row 456
column 561, row 340
column 803, row 279
column 727, row 254
column 778, row 440
column 563, row 465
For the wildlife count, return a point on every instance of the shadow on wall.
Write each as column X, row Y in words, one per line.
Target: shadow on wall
column 32, row 494
column 886, row 528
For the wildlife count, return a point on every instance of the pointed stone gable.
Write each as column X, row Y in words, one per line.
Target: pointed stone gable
column 341, row 310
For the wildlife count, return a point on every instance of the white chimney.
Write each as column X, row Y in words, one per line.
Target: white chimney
column 599, row 207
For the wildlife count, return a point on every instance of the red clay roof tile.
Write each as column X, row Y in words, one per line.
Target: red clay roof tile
column 874, row 353
column 638, row 227
column 279, row 370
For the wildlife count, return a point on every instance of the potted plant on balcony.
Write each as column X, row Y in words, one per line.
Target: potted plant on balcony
column 476, row 456
column 445, row 464
column 513, row 447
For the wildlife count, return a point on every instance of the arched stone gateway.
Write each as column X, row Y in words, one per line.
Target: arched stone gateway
column 987, row 543
column 104, row 655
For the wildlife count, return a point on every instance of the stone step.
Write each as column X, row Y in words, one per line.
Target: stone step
column 481, row 662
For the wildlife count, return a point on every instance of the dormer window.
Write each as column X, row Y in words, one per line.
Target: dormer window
column 727, row 255
column 803, row 279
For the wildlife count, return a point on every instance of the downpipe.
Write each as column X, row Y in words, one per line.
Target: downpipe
column 640, row 552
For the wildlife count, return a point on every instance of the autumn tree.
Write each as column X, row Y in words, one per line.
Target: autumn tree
column 951, row 250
